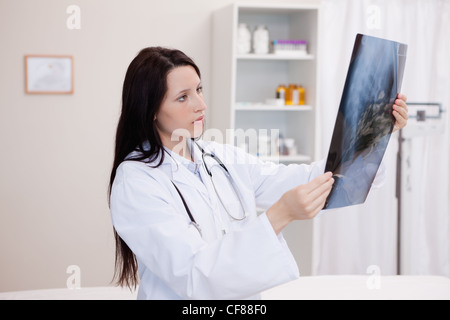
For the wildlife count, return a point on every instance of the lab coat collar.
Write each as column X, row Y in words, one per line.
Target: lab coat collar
column 175, row 160
column 194, row 147
column 170, row 158
column 172, row 163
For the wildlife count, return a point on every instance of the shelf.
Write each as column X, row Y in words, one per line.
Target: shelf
column 271, row 56
column 243, row 88
column 293, row 158
column 244, row 85
column 265, row 107
column 275, row 8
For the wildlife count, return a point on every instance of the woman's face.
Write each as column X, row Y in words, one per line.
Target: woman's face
column 182, row 111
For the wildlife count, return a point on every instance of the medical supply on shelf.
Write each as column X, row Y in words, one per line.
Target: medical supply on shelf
column 286, row 146
column 281, row 92
column 292, row 95
column 295, row 95
column 301, row 95
column 291, row 149
column 275, row 102
column 282, row 150
column 290, row 47
column 244, row 38
column 261, row 40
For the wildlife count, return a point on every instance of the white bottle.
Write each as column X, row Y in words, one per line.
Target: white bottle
column 290, row 145
column 244, row 39
column 261, row 40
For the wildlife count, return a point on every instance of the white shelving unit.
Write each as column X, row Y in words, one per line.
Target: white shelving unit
column 266, row 107
column 242, row 83
column 271, row 56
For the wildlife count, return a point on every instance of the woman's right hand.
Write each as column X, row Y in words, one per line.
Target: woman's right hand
column 300, row 203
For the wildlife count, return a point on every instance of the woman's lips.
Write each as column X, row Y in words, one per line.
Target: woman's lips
column 199, row 120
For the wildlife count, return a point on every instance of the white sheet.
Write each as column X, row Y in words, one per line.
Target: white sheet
column 305, row 288
column 362, row 288
column 91, row 293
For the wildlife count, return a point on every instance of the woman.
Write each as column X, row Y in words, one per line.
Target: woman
column 182, row 233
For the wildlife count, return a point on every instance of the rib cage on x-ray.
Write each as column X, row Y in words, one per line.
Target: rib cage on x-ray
column 364, row 121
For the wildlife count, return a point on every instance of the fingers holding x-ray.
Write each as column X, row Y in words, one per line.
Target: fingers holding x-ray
column 400, row 112
column 308, row 199
column 321, row 195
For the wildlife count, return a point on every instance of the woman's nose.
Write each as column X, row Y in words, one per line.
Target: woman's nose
column 200, row 104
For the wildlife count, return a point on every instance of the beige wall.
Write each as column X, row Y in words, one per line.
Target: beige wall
column 56, row 150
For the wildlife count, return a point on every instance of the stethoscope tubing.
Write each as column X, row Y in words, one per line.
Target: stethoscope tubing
column 230, row 179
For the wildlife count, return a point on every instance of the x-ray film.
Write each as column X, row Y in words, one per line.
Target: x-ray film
column 364, row 121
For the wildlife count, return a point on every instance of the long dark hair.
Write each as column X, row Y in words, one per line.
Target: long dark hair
column 144, row 89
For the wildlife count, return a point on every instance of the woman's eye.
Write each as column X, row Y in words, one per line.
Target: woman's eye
column 182, row 98
column 199, row 89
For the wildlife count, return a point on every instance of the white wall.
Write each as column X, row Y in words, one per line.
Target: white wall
column 56, row 150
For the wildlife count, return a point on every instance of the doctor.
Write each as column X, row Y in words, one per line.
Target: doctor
column 184, row 210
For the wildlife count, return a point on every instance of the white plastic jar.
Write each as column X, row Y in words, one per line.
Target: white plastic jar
column 261, row 40
column 244, row 39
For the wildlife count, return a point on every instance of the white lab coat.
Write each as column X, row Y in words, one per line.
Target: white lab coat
column 229, row 259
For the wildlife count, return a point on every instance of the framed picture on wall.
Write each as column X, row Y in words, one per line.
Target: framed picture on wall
column 48, row 74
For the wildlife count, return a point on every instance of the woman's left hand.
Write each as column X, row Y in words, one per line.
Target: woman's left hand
column 400, row 112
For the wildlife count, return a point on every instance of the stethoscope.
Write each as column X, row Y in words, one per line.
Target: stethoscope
column 210, row 174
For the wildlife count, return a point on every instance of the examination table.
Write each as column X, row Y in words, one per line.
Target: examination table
column 351, row 287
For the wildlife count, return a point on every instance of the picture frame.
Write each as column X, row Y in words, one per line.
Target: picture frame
column 49, row 74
